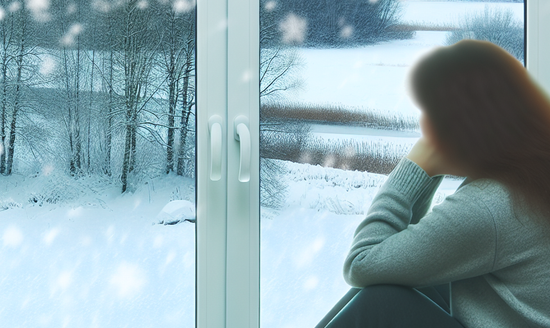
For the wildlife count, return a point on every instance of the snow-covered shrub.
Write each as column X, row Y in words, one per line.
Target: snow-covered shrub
column 9, row 204
column 275, row 132
column 55, row 189
column 494, row 25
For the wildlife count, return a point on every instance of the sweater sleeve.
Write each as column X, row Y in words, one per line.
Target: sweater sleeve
column 457, row 240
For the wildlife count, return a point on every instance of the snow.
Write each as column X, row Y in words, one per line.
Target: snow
column 177, row 211
column 294, row 29
column 375, row 77
column 304, row 245
column 95, row 258
column 364, row 78
column 341, row 132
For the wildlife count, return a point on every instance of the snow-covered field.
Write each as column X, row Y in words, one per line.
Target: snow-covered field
column 98, row 259
column 374, row 77
column 303, row 246
column 94, row 258
column 370, row 77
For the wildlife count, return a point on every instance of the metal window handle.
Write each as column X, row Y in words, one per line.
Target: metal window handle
column 215, row 127
column 242, row 134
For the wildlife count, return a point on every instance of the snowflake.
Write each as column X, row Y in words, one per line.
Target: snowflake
column 183, row 6
column 270, row 5
column 47, row 66
column 142, row 4
column 74, row 30
column 346, row 32
column 2, row 13
column 294, row 29
column 39, row 9
column 12, row 236
column 71, row 8
column 14, row 6
column 128, row 280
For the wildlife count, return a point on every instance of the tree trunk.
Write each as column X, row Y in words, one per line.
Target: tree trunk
column 4, row 105
column 186, row 112
column 171, row 127
column 126, row 160
column 172, row 94
column 16, row 105
column 90, row 113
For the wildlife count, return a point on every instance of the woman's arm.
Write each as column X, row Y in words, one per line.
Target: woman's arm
column 456, row 240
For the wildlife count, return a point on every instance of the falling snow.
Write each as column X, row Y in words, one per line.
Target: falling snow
column 39, row 9
column 270, row 5
column 14, row 6
column 12, row 236
column 48, row 65
column 294, row 29
column 69, row 38
column 183, row 6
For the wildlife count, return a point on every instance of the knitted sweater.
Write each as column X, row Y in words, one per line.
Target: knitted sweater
column 498, row 263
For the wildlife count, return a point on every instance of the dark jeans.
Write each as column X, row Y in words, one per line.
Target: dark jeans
column 391, row 306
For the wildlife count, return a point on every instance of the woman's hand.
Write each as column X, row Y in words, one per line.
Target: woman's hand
column 426, row 155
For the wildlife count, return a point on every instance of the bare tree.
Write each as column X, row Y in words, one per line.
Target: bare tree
column 7, row 35
column 137, row 59
column 21, row 28
column 187, row 92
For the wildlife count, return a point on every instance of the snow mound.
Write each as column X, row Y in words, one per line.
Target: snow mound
column 177, row 211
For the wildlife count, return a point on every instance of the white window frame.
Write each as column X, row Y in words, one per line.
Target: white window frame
column 228, row 212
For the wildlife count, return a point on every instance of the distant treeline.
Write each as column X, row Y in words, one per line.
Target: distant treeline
column 93, row 22
column 330, row 23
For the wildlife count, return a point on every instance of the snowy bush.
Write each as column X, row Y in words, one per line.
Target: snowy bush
column 9, row 204
column 55, row 189
column 494, row 25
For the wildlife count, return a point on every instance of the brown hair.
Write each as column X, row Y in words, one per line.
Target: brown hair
column 489, row 116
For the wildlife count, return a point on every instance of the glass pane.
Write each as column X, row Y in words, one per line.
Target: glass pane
column 335, row 120
column 97, row 163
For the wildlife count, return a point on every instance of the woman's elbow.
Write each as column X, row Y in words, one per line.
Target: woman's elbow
column 354, row 274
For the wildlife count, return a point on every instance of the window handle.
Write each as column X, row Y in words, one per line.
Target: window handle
column 215, row 127
column 242, row 134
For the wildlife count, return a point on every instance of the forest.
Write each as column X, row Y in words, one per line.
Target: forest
column 97, row 87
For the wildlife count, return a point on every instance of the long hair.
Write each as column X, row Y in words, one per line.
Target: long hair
column 489, row 116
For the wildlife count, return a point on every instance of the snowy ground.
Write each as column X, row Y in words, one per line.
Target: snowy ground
column 303, row 246
column 94, row 259
column 374, row 77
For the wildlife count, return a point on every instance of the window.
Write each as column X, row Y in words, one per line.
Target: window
column 94, row 230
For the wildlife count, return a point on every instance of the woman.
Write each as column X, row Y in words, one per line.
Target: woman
column 483, row 118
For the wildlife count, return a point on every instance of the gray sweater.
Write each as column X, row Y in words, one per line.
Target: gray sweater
column 498, row 263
